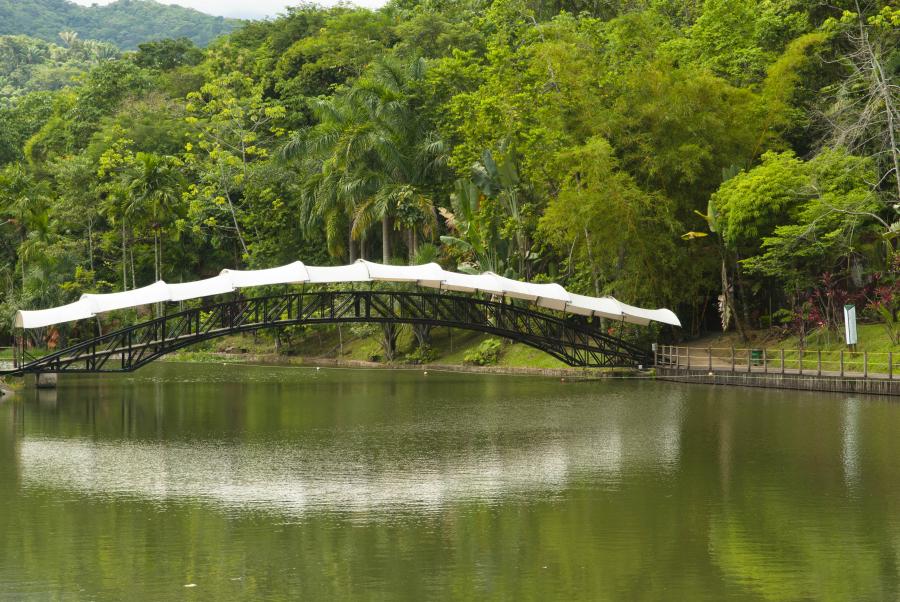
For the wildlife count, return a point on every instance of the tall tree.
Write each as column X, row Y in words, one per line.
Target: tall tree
column 154, row 184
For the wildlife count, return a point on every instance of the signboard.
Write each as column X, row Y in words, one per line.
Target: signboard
column 850, row 324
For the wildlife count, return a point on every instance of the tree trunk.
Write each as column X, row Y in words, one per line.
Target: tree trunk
column 386, row 239
column 91, row 243
column 882, row 86
column 423, row 334
column 742, row 317
column 594, row 275
column 351, row 246
column 159, row 236
column 389, row 334
column 232, row 210
column 124, row 260
column 156, row 266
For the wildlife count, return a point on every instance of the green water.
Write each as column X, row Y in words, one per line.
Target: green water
column 285, row 483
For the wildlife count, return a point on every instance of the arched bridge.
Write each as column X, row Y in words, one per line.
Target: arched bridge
column 572, row 339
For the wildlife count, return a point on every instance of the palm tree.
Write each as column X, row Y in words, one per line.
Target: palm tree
column 26, row 204
column 334, row 154
column 154, row 189
column 372, row 159
column 410, row 155
column 69, row 38
column 482, row 240
column 115, row 207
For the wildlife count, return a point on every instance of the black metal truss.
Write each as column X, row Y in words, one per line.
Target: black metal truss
column 573, row 339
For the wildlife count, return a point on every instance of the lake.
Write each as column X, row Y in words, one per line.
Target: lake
column 230, row 482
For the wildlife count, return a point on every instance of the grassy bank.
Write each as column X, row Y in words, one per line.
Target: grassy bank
column 820, row 347
column 451, row 347
column 448, row 347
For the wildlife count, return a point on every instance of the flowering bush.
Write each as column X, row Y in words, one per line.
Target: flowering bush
column 885, row 301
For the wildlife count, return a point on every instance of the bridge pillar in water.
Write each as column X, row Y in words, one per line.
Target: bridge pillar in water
column 46, row 380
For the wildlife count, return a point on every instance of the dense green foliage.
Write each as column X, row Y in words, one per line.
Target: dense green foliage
column 487, row 352
column 125, row 23
column 31, row 65
column 669, row 153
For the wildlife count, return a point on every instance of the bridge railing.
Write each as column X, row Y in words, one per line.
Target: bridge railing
column 812, row 362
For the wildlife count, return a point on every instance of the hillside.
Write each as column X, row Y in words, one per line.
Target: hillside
column 31, row 65
column 125, row 23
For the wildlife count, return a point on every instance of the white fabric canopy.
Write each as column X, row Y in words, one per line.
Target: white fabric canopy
column 217, row 285
column 602, row 307
column 80, row 310
column 470, row 283
column 639, row 315
column 429, row 274
column 292, row 273
column 154, row 293
column 551, row 296
column 608, row 307
column 355, row 272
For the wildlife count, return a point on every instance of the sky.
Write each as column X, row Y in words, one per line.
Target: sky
column 243, row 9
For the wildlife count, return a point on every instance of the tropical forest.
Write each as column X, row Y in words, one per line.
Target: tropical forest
column 736, row 161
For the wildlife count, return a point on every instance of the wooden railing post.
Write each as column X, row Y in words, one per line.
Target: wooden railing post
column 709, row 356
column 749, row 359
column 688, row 350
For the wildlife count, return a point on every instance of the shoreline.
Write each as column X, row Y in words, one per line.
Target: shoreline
column 696, row 377
column 303, row 361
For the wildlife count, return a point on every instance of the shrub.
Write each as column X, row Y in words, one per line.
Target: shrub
column 421, row 355
column 488, row 352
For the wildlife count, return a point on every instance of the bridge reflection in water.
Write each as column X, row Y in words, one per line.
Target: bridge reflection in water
column 341, row 475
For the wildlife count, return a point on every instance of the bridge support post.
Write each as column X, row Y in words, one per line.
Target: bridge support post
column 46, row 380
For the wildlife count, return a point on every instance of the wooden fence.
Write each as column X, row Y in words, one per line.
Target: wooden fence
column 842, row 363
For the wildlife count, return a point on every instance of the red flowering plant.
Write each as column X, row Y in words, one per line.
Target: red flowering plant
column 884, row 300
column 804, row 318
column 819, row 308
column 828, row 299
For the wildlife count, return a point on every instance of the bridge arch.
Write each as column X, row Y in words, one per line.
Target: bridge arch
column 573, row 339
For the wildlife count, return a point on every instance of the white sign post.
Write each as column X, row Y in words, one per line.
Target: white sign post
column 850, row 324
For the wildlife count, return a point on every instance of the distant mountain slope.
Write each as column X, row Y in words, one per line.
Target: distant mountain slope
column 125, row 23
